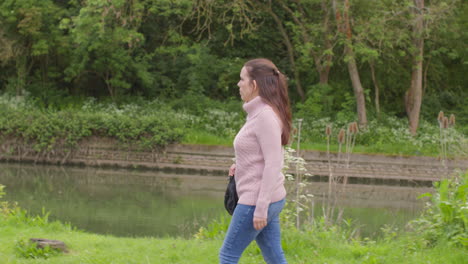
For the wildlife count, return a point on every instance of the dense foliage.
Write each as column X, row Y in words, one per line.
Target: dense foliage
column 52, row 49
column 446, row 217
column 151, row 125
column 49, row 130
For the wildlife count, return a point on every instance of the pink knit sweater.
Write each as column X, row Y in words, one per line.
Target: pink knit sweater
column 259, row 158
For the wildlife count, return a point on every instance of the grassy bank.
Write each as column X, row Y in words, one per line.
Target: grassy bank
column 440, row 235
column 386, row 148
column 311, row 246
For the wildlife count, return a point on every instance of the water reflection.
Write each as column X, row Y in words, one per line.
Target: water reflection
column 144, row 203
column 119, row 202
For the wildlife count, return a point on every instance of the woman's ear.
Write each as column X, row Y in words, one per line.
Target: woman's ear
column 254, row 82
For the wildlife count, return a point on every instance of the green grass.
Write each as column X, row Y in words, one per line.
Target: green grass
column 90, row 248
column 316, row 245
column 386, row 149
column 205, row 138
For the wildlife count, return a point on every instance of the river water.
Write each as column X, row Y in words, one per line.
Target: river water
column 148, row 203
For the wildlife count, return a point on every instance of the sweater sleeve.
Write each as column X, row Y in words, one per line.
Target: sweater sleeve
column 268, row 132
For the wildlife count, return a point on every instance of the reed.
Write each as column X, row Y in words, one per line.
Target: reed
column 350, row 142
column 298, row 174
column 446, row 125
column 333, row 180
column 337, row 184
column 328, row 131
column 452, row 120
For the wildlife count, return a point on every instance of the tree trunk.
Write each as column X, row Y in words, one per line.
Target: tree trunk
column 345, row 28
column 110, row 87
column 413, row 97
column 324, row 71
column 376, row 87
column 424, row 84
column 290, row 49
column 21, row 73
column 357, row 87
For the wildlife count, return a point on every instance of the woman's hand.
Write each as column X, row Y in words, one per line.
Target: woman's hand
column 232, row 170
column 259, row 223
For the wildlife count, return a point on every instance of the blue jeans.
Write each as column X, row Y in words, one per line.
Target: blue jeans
column 241, row 232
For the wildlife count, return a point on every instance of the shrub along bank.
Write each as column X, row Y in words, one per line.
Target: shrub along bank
column 195, row 119
column 440, row 235
column 47, row 129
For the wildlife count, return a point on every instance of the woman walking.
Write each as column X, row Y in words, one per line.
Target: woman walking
column 259, row 160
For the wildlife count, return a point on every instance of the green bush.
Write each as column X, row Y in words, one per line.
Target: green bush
column 132, row 125
column 215, row 229
column 446, row 216
column 6, row 208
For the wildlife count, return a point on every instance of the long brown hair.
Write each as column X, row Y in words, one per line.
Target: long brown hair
column 273, row 88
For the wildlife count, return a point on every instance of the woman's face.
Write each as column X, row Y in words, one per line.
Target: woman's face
column 247, row 88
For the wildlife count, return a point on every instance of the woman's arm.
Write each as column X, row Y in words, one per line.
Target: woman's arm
column 268, row 131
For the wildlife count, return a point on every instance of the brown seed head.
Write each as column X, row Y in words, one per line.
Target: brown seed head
column 341, row 136
column 452, row 120
column 328, row 130
column 355, row 127
column 350, row 128
column 440, row 118
column 445, row 122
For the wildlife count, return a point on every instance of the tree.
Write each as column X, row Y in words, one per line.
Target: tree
column 413, row 97
column 169, row 47
column 424, row 21
column 289, row 46
column 314, row 37
column 105, row 38
column 28, row 35
column 378, row 39
column 344, row 26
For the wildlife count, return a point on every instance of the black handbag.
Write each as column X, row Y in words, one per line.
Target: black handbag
column 230, row 197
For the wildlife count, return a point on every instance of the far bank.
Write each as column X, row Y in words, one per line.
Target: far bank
column 215, row 160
